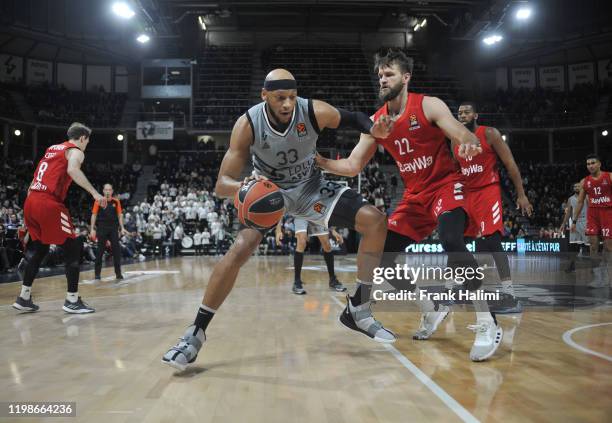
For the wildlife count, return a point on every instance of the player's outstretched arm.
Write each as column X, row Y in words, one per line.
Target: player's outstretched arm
column 439, row 114
column 505, row 154
column 328, row 116
column 75, row 159
column 235, row 158
column 351, row 166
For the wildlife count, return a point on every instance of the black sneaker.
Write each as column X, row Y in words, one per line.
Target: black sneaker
column 79, row 307
column 298, row 289
column 25, row 305
column 507, row 304
column 335, row 285
column 119, row 277
column 97, row 278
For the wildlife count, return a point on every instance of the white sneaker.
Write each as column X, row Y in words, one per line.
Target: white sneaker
column 600, row 278
column 488, row 338
column 186, row 351
column 430, row 322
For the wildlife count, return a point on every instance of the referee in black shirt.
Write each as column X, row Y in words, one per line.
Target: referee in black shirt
column 105, row 224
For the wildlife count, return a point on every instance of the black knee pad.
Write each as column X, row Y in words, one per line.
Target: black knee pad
column 35, row 251
column 72, row 251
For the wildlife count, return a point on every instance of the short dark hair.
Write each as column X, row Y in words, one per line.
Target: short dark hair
column 593, row 156
column 392, row 56
column 472, row 104
column 78, row 130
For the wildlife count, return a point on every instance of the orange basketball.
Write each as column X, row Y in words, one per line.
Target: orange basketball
column 260, row 204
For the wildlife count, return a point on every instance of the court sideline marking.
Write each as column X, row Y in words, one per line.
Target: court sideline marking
column 449, row 401
column 567, row 338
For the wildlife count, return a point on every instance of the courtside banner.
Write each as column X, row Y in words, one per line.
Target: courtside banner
column 155, row 130
column 520, row 245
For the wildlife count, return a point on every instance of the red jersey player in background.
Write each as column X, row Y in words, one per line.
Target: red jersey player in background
column 483, row 197
column 433, row 195
column 48, row 220
column 598, row 187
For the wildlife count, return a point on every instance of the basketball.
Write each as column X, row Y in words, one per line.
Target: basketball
column 260, row 204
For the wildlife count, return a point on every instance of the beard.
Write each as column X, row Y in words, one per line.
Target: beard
column 393, row 92
column 470, row 125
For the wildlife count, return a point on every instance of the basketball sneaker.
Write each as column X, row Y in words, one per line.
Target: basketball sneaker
column 360, row 319
column 78, row 307
column 430, row 322
column 298, row 289
column 335, row 285
column 507, row 304
column 186, row 350
column 25, row 305
column 488, row 338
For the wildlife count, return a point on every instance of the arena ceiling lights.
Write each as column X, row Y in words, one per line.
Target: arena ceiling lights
column 492, row 39
column 123, row 10
column 143, row 38
column 523, row 13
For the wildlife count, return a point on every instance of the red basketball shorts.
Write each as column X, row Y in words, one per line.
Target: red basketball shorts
column 47, row 219
column 484, row 210
column 416, row 215
column 599, row 222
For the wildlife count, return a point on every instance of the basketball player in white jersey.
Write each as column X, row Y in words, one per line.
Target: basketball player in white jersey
column 279, row 135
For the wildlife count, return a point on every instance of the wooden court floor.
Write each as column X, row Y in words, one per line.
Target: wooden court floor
column 272, row 356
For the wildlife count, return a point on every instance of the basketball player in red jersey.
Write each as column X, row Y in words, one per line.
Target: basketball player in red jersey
column 48, row 220
column 483, row 197
column 433, row 195
column 598, row 187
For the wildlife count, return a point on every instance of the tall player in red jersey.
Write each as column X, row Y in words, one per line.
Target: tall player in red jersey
column 598, row 187
column 433, row 194
column 48, row 220
column 483, row 197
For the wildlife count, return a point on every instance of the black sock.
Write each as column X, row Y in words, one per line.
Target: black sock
column 329, row 261
column 203, row 318
column 298, row 260
column 362, row 295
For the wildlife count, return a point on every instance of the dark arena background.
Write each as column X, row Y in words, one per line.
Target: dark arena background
column 162, row 83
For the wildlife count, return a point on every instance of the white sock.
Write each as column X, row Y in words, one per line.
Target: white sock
column 25, row 292
column 72, row 296
column 507, row 287
column 425, row 305
column 208, row 309
column 483, row 316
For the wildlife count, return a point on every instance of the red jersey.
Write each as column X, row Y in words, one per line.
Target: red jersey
column 599, row 190
column 419, row 148
column 51, row 174
column 481, row 170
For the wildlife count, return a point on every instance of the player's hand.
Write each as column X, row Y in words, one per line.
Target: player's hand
column 522, row 203
column 562, row 228
column 124, row 232
column 338, row 238
column 279, row 237
column 573, row 227
column 100, row 199
column 382, row 128
column 320, row 161
column 92, row 235
column 469, row 150
column 254, row 177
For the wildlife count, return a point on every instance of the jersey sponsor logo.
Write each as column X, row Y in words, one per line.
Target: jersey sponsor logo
column 319, row 208
column 50, row 155
column 414, row 122
column 58, row 147
column 471, row 169
column 265, row 146
column 417, row 164
column 301, row 129
column 600, row 200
